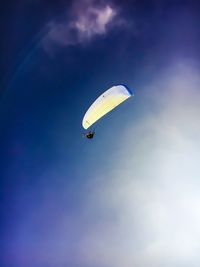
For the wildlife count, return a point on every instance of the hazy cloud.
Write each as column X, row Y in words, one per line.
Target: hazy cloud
column 152, row 190
column 94, row 21
column 86, row 19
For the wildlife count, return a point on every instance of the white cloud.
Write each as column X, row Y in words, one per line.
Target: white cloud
column 151, row 196
column 87, row 20
column 94, row 21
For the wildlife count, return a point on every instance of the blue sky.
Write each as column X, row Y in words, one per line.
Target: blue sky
column 129, row 197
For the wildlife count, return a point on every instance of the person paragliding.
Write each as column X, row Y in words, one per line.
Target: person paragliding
column 106, row 102
column 90, row 134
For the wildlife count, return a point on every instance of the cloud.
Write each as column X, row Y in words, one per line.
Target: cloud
column 148, row 203
column 95, row 21
column 86, row 19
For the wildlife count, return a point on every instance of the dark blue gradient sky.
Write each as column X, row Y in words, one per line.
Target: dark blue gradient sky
column 131, row 196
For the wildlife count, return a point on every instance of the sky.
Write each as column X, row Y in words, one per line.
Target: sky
column 130, row 196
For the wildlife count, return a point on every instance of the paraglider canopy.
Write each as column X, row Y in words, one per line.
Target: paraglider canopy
column 107, row 101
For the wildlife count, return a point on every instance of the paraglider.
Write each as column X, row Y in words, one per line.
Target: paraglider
column 90, row 134
column 106, row 102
